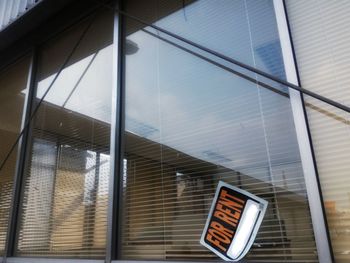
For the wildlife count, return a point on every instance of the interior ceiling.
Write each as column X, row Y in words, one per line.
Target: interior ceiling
column 100, row 34
column 12, row 83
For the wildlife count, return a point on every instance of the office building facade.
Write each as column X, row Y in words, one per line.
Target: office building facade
column 118, row 119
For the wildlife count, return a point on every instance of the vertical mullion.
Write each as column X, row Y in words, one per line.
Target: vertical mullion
column 117, row 128
column 21, row 153
column 121, row 104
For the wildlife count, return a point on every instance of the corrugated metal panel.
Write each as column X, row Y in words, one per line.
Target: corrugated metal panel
column 10, row 10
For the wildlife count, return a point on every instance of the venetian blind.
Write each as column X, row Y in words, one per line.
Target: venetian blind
column 320, row 31
column 13, row 82
column 190, row 124
column 65, row 192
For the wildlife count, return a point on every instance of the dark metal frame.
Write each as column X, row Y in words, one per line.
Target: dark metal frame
column 115, row 183
column 23, row 143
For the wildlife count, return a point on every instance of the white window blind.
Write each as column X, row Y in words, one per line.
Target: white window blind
column 13, row 83
column 321, row 33
column 190, row 124
column 64, row 201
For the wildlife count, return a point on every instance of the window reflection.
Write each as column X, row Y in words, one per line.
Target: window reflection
column 65, row 191
column 78, row 84
column 324, row 69
column 12, row 81
column 190, row 124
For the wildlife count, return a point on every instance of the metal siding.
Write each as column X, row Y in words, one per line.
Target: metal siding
column 10, row 10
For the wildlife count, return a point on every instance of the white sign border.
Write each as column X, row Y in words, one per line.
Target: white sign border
column 263, row 203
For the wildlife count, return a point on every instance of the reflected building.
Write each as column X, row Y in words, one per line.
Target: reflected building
column 118, row 122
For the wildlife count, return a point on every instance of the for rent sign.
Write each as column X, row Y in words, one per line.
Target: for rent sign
column 233, row 222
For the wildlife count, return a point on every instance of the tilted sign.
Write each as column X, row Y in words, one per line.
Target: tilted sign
column 233, row 222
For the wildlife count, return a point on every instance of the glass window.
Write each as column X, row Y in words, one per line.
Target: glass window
column 13, row 84
column 190, row 124
column 65, row 191
column 320, row 36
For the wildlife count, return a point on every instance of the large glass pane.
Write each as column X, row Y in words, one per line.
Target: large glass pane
column 65, row 190
column 320, row 33
column 13, row 82
column 190, row 123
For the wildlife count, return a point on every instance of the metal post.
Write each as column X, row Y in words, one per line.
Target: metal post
column 117, row 128
column 21, row 153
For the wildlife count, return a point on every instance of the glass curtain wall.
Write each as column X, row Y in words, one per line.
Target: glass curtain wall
column 190, row 123
column 320, row 31
column 64, row 202
column 13, row 85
